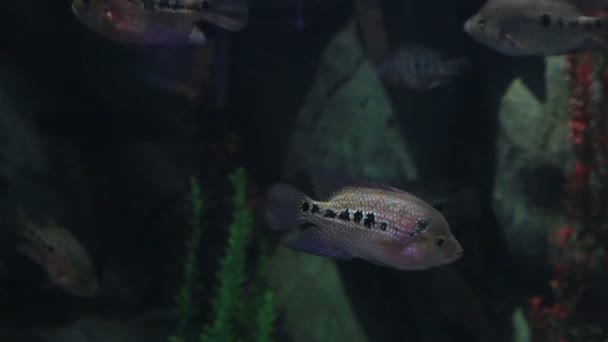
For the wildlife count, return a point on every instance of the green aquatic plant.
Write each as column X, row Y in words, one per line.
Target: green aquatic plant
column 258, row 314
column 183, row 300
column 232, row 266
column 265, row 318
column 243, row 308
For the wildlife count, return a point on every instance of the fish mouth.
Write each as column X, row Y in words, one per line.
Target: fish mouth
column 467, row 26
column 457, row 255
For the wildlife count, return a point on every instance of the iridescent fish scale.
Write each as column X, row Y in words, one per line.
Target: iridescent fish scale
column 377, row 209
column 172, row 6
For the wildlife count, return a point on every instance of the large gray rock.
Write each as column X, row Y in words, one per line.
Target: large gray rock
column 347, row 121
column 533, row 154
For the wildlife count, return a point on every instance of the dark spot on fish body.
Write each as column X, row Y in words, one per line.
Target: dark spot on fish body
column 305, row 207
column 383, row 226
column 345, row 215
column 598, row 22
column 330, row 213
column 315, row 209
column 50, row 249
column 422, row 225
column 370, row 220
column 545, row 19
column 358, row 216
column 205, row 6
column 560, row 22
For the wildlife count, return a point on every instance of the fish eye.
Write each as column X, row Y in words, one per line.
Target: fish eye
column 440, row 241
column 481, row 22
column 107, row 13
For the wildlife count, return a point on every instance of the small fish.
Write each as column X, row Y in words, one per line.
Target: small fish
column 67, row 263
column 161, row 22
column 355, row 218
column 420, row 68
column 539, row 27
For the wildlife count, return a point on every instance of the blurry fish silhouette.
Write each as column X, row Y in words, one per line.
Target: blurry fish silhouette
column 163, row 22
column 354, row 218
column 180, row 71
column 420, row 68
column 539, row 27
column 67, row 263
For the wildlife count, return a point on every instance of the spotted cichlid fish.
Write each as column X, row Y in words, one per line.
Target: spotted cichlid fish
column 67, row 263
column 420, row 68
column 539, row 27
column 354, row 218
column 162, row 22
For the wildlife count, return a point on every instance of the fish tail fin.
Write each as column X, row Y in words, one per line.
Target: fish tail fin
column 283, row 209
column 231, row 15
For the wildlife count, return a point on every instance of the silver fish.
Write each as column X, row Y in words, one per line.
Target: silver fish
column 420, row 68
column 163, row 22
column 67, row 263
column 539, row 27
column 354, row 218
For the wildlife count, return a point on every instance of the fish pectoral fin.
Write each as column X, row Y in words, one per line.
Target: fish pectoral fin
column 510, row 39
column 379, row 263
column 197, row 36
column 311, row 240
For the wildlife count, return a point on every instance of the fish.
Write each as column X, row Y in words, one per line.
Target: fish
column 353, row 218
column 67, row 263
column 420, row 68
column 160, row 22
column 539, row 27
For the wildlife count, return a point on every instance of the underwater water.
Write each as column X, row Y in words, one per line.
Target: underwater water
column 303, row 170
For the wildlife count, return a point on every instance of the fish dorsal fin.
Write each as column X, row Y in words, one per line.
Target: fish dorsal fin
column 586, row 6
column 327, row 183
column 311, row 240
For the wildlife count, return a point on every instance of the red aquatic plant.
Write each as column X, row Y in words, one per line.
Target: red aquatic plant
column 561, row 316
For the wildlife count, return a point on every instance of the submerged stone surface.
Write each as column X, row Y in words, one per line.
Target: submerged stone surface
column 533, row 155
